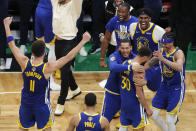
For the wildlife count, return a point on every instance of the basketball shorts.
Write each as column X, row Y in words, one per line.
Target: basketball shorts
column 137, row 119
column 153, row 78
column 169, row 98
column 43, row 25
column 42, row 115
column 111, row 105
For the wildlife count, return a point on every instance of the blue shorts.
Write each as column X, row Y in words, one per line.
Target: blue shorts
column 42, row 115
column 138, row 119
column 169, row 98
column 153, row 77
column 111, row 105
column 43, row 25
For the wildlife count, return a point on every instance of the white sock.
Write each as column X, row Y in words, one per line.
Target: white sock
column 170, row 120
column 123, row 129
column 51, row 54
column 158, row 120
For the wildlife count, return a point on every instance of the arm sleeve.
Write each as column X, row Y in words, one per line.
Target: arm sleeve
column 77, row 4
column 116, row 67
column 158, row 33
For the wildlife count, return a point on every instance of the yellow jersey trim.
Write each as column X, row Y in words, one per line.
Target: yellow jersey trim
column 48, row 125
column 100, row 119
column 167, row 55
column 52, row 42
column 35, row 65
column 142, row 123
column 134, row 30
column 90, row 114
column 144, row 31
column 20, row 125
column 111, row 92
column 26, row 64
column 44, row 68
column 175, row 110
column 174, row 54
column 153, row 35
column 79, row 115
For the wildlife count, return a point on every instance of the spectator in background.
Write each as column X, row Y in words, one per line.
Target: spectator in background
column 182, row 20
column 65, row 16
column 137, row 4
column 155, row 6
column 43, row 28
column 3, row 41
column 96, row 4
column 27, row 9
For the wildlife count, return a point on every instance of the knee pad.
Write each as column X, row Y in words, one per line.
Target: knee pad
column 170, row 119
column 123, row 129
column 155, row 114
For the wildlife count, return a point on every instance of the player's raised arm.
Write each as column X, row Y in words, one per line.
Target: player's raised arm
column 20, row 57
column 54, row 65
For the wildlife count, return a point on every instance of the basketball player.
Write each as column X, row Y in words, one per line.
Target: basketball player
column 43, row 28
column 120, row 24
column 112, row 100
column 89, row 120
column 170, row 95
column 145, row 33
column 134, row 108
column 35, row 101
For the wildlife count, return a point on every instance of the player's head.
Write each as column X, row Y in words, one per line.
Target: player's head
column 144, row 17
column 168, row 40
column 118, row 2
column 38, row 48
column 90, row 99
column 123, row 11
column 125, row 48
column 145, row 54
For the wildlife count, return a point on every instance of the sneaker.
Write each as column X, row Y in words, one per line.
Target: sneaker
column 54, row 86
column 59, row 109
column 83, row 52
column 23, row 49
column 72, row 94
column 2, row 64
column 94, row 50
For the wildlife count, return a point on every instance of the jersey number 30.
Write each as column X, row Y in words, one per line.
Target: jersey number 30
column 126, row 83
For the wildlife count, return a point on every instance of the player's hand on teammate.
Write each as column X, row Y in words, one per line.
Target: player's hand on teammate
column 158, row 55
column 139, row 78
column 86, row 37
column 7, row 21
column 168, row 29
column 103, row 63
column 138, row 68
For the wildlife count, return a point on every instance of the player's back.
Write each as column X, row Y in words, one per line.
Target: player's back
column 36, row 88
column 89, row 122
column 129, row 100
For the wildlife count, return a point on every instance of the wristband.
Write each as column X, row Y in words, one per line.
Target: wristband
column 9, row 39
column 129, row 67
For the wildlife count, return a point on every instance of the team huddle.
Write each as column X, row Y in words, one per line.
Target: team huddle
column 145, row 55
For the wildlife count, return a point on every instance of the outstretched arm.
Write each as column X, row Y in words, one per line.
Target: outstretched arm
column 54, row 65
column 20, row 57
column 151, row 62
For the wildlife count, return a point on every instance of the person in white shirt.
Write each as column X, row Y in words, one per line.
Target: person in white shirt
column 65, row 15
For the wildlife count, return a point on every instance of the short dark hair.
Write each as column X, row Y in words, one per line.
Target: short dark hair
column 170, row 35
column 38, row 48
column 124, row 4
column 144, row 51
column 125, row 41
column 90, row 99
column 147, row 11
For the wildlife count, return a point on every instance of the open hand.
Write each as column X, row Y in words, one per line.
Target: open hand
column 7, row 21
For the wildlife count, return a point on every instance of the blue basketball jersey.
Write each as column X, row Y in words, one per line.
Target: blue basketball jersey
column 113, row 81
column 121, row 28
column 89, row 122
column 36, row 88
column 171, row 76
column 144, row 38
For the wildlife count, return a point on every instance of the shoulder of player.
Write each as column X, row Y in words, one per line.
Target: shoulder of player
column 104, row 122
column 179, row 54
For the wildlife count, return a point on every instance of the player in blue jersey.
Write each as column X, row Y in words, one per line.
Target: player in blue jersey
column 170, row 95
column 134, row 108
column 43, row 28
column 35, row 100
column 120, row 25
column 112, row 100
column 89, row 120
column 145, row 33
